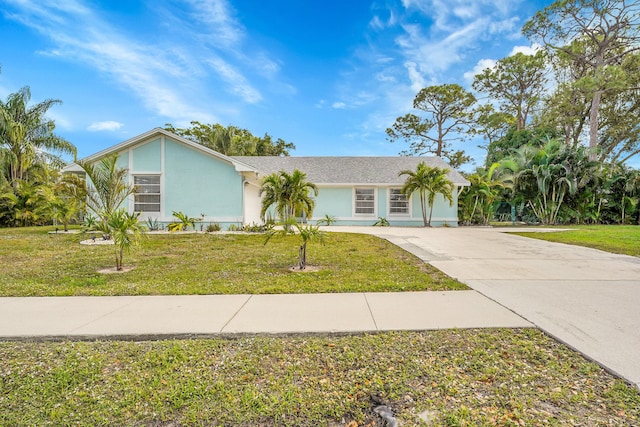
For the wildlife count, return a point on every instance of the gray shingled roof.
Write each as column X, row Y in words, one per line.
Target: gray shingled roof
column 348, row 170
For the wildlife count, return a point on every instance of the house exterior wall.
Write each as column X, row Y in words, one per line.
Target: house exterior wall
column 339, row 202
column 198, row 184
column 190, row 181
column 148, row 157
column 336, row 202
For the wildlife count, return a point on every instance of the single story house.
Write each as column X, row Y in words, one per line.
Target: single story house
column 171, row 173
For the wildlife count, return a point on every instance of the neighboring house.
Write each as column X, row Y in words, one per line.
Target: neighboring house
column 172, row 173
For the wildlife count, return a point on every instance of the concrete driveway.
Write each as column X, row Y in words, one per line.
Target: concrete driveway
column 584, row 297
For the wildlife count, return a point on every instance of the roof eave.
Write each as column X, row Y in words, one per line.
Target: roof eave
column 238, row 165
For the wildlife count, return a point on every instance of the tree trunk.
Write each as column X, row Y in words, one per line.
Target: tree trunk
column 423, row 205
column 119, row 259
column 593, row 123
column 303, row 256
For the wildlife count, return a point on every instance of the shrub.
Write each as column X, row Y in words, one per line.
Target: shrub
column 212, row 227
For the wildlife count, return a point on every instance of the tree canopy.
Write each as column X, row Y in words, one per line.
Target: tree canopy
column 232, row 140
column 448, row 113
column 596, row 34
column 27, row 138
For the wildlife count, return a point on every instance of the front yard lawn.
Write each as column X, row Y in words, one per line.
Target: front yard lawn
column 435, row 378
column 619, row 239
column 39, row 264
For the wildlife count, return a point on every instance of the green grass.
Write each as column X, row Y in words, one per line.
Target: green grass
column 619, row 239
column 41, row 264
column 452, row 378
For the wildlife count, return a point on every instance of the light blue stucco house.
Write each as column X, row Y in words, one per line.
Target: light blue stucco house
column 171, row 173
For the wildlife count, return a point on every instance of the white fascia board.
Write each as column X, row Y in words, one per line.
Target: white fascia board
column 72, row 168
column 137, row 140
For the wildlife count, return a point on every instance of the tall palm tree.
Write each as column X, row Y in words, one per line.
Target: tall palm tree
column 26, row 136
column 289, row 193
column 107, row 186
column 428, row 182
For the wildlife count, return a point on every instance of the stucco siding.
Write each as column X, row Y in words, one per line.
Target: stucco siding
column 333, row 201
column 147, row 157
column 198, row 184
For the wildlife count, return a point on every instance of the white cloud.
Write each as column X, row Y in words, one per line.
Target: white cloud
column 238, row 84
column 168, row 76
column 417, row 81
column 217, row 15
column 459, row 27
column 108, row 125
column 527, row 50
column 485, row 63
column 479, row 68
column 376, row 23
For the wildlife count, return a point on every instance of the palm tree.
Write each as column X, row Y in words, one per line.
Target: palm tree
column 428, row 182
column 480, row 197
column 26, row 204
column 306, row 233
column 126, row 232
column 66, row 199
column 26, row 136
column 108, row 187
column 183, row 222
column 289, row 193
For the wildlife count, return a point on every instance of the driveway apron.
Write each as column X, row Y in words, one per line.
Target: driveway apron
column 586, row 298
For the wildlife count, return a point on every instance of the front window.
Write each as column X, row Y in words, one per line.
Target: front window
column 147, row 193
column 398, row 202
column 365, row 201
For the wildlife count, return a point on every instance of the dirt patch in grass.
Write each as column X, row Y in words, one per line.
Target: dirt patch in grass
column 114, row 270
column 307, row 269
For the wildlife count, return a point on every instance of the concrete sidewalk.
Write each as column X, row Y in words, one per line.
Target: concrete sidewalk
column 140, row 317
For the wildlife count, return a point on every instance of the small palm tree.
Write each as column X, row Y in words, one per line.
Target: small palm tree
column 183, row 222
column 290, row 195
column 327, row 220
column 64, row 210
column 306, row 233
column 126, row 232
column 428, row 182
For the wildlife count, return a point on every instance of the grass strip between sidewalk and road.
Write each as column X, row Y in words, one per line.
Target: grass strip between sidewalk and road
column 40, row 264
column 439, row 378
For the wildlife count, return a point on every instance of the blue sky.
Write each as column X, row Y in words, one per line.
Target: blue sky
column 328, row 75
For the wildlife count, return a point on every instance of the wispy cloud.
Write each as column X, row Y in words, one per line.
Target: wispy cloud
column 217, row 17
column 168, row 75
column 108, row 125
column 430, row 42
column 238, row 84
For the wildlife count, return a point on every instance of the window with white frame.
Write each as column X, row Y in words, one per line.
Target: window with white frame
column 365, row 201
column 398, row 202
column 147, row 193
